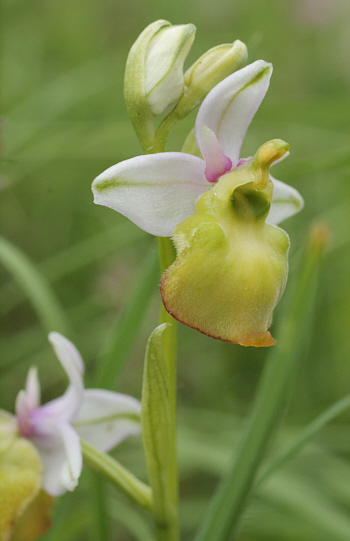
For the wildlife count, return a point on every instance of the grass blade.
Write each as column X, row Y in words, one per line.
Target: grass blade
column 37, row 289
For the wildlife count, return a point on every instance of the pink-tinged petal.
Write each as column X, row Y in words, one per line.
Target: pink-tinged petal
column 286, row 202
column 217, row 164
column 33, row 388
column 59, row 449
column 107, row 418
column 229, row 108
column 28, row 400
column 66, row 406
column 23, row 415
column 156, row 191
column 242, row 161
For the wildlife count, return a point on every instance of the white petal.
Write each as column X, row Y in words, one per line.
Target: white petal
column 60, row 452
column 23, row 415
column 286, row 202
column 66, row 406
column 156, row 191
column 33, row 388
column 229, row 108
column 106, row 418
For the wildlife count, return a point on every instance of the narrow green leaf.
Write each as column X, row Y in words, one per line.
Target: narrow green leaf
column 308, row 502
column 303, row 438
column 231, row 497
column 155, row 420
column 35, row 286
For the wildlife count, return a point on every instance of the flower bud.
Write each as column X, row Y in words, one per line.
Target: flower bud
column 211, row 68
column 231, row 267
column 165, row 56
column 154, row 76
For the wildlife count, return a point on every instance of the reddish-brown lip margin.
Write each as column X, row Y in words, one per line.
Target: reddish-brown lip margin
column 261, row 339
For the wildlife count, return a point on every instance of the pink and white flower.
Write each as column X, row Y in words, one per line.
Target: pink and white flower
column 158, row 191
column 101, row 417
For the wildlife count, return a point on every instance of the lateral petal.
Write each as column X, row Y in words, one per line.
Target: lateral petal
column 107, row 418
column 33, row 388
column 27, row 400
column 66, row 406
column 59, row 448
column 229, row 108
column 155, row 191
column 286, row 202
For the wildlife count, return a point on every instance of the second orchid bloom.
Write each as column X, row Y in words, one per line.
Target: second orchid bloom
column 103, row 418
column 222, row 211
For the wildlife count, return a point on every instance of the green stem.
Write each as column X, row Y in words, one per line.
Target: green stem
column 166, row 258
column 163, row 132
column 118, row 475
column 229, row 501
column 169, row 342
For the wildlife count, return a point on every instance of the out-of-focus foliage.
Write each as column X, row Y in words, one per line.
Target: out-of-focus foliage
column 63, row 122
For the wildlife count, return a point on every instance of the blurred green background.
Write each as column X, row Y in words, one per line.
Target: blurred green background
column 63, row 122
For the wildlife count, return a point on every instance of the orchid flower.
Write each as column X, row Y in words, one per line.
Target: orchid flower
column 159, row 191
column 101, row 417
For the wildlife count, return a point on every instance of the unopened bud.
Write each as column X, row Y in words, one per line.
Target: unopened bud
column 165, row 56
column 209, row 70
column 154, row 76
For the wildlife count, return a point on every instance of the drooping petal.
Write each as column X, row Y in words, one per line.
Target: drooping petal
column 217, row 164
column 286, row 202
column 229, row 108
column 106, row 418
column 156, row 191
column 66, row 406
column 59, row 448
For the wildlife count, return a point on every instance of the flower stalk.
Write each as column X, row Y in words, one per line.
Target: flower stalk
column 169, row 341
column 118, row 475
